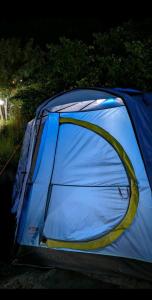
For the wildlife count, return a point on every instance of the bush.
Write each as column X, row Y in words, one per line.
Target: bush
column 29, row 75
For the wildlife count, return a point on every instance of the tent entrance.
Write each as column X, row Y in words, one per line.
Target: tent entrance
column 90, row 202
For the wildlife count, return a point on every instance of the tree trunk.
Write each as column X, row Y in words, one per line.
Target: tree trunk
column 5, row 109
column 1, row 113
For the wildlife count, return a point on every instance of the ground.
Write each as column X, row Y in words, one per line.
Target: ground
column 17, row 277
column 24, row 277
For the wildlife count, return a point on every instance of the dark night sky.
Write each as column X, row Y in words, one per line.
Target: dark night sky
column 47, row 29
column 46, row 23
column 50, row 28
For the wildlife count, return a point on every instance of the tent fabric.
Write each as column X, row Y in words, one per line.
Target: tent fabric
column 141, row 114
column 79, row 99
column 76, row 150
column 23, row 168
column 38, row 188
column 139, row 107
column 103, row 103
column 94, row 219
column 79, row 189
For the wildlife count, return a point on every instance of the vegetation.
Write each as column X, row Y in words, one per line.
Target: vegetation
column 29, row 73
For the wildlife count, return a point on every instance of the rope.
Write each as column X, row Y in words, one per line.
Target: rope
column 9, row 160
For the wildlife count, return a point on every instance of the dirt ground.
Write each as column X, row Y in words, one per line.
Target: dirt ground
column 24, row 277
column 17, row 277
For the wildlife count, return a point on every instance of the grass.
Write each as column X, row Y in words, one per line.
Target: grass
column 11, row 133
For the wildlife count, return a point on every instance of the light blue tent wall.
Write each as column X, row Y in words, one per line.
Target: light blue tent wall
column 80, row 187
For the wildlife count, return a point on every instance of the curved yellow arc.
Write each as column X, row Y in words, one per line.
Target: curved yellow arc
column 115, row 233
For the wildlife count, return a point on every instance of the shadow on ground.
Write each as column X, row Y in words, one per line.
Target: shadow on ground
column 14, row 277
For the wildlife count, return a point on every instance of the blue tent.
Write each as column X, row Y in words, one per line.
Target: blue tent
column 84, row 180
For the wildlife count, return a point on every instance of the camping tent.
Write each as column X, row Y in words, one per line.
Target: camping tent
column 83, row 187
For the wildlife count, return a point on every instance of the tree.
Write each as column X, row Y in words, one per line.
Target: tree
column 30, row 74
column 20, row 66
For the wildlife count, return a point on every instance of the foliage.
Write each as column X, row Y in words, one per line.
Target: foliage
column 29, row 74
column 11, row 133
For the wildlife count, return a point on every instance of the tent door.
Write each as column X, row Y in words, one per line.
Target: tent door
column 88, row 192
